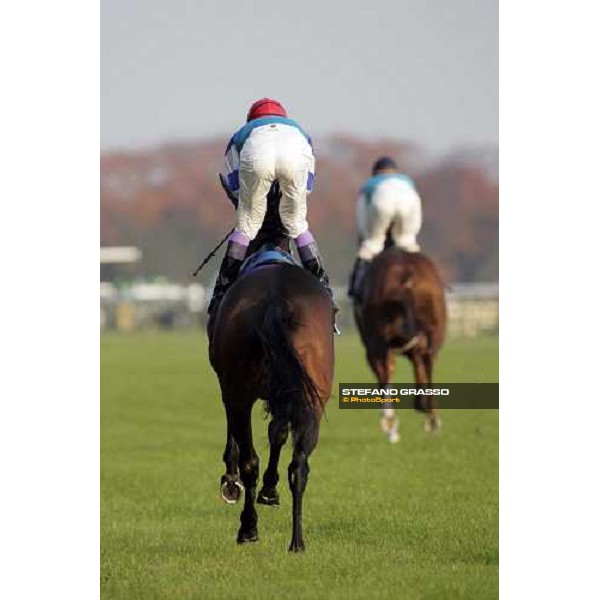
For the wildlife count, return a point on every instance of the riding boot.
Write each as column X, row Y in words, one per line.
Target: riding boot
column 230, row 268
column 313, row 262
column 361, row 266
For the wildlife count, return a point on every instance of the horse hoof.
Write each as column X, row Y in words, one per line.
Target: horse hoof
column 246, row 537
column 433, row 426
column 231, row 491
column 270, row 498
column 394, row 437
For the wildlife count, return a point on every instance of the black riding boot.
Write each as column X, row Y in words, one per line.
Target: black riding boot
column 230, row 268
column 359, row 271
column 313, row 262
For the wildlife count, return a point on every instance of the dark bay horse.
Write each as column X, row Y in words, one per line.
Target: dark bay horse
column 403, row 311
column 271, row 338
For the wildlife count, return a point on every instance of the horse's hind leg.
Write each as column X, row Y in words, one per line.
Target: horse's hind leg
column 306, row 435
column 422, row 370
column 241, row 427
column 383, row 364
column 231, row 487
column 433, row 423
column 278, row 433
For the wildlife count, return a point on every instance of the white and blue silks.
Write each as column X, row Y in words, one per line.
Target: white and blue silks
column 263, row 151
column 388, row 200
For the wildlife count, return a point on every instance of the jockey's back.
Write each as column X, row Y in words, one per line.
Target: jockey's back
column 388, row 188
column 273, row 139
column 259, row 127
column 392, row 181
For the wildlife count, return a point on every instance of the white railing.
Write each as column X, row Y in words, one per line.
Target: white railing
column 473, row 308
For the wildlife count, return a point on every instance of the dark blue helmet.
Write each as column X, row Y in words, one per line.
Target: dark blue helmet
column 385, row 162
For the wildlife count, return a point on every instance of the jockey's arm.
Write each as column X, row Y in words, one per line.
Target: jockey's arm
column 310, row 181
column 231, row 179
column 226, row 188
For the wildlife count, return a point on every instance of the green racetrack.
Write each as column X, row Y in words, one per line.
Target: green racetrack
column 415, row 520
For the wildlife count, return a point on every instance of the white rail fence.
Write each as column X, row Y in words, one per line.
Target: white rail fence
column 473, row 308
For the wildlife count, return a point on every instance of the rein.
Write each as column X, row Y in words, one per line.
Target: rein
column 212, row 253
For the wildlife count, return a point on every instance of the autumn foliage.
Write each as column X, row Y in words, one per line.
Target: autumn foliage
column 168, row 202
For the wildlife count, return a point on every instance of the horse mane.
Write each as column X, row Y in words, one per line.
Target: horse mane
column 272, row 231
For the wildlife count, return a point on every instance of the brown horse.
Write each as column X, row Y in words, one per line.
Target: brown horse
column 271, row 338
column 403, row 311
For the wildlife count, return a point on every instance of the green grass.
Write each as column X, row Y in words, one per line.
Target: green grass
column 415, row 520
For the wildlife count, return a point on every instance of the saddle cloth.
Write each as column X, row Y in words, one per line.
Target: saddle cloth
column 267, row 256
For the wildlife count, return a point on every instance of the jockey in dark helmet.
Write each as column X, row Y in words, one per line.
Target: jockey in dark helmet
column 270, row 147
column 387, row 201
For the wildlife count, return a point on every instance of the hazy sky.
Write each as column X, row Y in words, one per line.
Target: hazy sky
column 421, row 70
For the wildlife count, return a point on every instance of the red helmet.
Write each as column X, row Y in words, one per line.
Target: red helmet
column 264, row 107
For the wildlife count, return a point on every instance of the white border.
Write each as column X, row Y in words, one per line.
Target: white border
column 49, row 271
column 549, row 301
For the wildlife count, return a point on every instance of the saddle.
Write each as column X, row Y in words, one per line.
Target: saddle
column 267, row 254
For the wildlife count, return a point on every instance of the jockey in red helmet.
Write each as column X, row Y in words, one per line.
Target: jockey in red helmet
column 270, row 147
column 265, row 107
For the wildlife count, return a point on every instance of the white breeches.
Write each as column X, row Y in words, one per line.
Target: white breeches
column 279, row 153
column 395, row 206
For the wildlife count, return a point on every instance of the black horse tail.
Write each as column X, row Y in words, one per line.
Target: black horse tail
column 291, row 392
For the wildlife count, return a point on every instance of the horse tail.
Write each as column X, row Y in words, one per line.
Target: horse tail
column 291, row 392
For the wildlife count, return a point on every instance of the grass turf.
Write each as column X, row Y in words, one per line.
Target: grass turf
column 415, row 520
